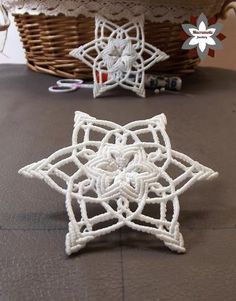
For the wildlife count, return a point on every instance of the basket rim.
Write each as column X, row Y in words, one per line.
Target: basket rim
column 175, row 11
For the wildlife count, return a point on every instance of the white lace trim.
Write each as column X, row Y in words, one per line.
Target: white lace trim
column 175, row 11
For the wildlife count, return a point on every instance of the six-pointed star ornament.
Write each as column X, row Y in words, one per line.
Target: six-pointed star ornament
column 119, row 56
column 120, row 170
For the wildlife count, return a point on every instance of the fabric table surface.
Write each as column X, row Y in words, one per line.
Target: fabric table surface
column 125, row 265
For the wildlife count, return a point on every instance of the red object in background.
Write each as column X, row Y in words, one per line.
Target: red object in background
column 221, row 36
column 192, row 53
column 211, row 52
column 103, row 79
column 212, row 21
column 193, row 20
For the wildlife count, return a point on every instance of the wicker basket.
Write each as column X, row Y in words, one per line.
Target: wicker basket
column 47, row 44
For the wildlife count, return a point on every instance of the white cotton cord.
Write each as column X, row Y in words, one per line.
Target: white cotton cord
column 116, row 56
column 116, row 167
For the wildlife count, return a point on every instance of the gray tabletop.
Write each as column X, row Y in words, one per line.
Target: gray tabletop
column 125, row 265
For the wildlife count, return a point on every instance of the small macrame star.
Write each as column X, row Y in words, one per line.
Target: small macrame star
column 119, row 56
column 122, row 170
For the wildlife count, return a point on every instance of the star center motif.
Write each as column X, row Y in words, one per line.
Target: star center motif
column 119, row 55
column 122, row 170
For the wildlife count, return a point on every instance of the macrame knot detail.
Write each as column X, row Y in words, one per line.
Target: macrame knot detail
column 122, row 170
column 119, row 55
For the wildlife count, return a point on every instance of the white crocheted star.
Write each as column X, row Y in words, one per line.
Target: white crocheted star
column 121, row 169
column 119, row 56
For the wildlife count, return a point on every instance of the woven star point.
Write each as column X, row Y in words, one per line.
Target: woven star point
column 116, row 56
column 121, row 169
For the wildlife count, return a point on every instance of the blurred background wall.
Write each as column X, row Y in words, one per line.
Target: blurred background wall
column 13, row 49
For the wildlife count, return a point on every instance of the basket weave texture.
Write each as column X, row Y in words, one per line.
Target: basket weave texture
column 49, row 39
column 50, row 29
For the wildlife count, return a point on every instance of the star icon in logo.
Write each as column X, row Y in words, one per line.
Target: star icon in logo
column 203, row 37
column 119, row 55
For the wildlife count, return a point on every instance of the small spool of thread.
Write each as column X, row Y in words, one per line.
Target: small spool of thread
column 173, row 83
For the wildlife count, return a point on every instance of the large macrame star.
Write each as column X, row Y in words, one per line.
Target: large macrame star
column 121, row 169
column 119, row 56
